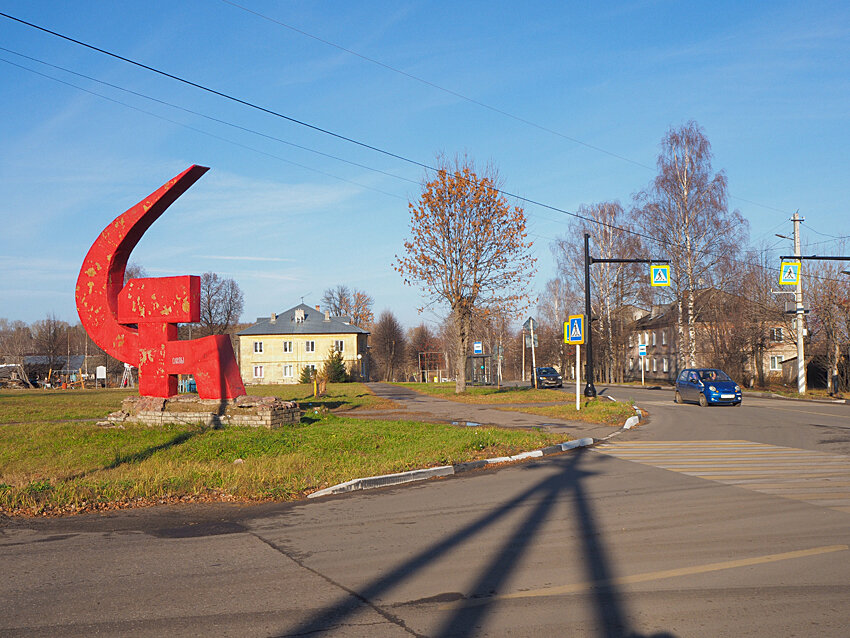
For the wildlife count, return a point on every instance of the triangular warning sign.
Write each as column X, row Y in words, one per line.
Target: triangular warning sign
column 660, row 276
column 790, row 273
column 575, row 330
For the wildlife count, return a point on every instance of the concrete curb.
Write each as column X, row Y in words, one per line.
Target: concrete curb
column 371, row 482
column 387, row 480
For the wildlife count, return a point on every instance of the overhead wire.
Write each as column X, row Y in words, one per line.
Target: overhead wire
column 461, row 96
column 203, row 115
column 325, row 131
column 192, row 128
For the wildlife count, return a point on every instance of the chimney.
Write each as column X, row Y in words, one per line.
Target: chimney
column 327, row 315
column 274, row 317
column 318, row 309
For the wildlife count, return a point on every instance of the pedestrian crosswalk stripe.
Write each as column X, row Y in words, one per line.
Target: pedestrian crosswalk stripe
column 819, row 478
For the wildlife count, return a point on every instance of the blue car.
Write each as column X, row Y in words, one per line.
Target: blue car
column 707, row 386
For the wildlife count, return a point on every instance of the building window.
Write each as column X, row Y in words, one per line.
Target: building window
column 654, row 365
column 776, row 334
column 287, row 371
column 775, row 362
column 631, row 340
column 309, row 346
column 339, row 345
column 258, row 372
column 665, row 365
column 664, row 337
column 287, row 346
column 631, row 363
column 646, row 338
column 258, row 346
column 647, row 363
column 653, row 339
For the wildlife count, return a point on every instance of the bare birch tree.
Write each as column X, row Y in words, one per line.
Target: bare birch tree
column 613, row 285
column 221, row 303
column 685, row 210
column 354, row 303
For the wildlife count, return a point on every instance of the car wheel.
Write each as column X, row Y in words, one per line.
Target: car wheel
column 738, row 404
column 702, row 401
column 678, row 398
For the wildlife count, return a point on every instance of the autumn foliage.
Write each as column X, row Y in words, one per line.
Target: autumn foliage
column 467, row 250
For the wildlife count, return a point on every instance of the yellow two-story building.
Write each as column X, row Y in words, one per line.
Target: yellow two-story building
column 276, row 349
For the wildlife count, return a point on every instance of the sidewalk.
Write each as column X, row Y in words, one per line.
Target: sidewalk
column 451, row 411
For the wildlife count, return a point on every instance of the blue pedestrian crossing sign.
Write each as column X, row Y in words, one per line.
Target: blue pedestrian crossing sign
column 789, row 273
column 574, row 329
column 659, row 274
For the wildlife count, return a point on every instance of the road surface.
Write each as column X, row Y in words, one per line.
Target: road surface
column 701, row 522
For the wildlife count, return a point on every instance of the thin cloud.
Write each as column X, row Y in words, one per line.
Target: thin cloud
column 244, row 258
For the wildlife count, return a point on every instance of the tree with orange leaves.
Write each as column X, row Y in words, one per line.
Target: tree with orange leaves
column 468, row 250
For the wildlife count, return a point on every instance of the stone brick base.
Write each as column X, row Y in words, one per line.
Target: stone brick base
column 267, row 412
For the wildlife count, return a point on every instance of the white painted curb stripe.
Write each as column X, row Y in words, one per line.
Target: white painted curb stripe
column 386, row 480
column 370, row 482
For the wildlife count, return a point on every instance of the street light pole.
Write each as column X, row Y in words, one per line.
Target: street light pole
column 589, row 389
column 798, row 298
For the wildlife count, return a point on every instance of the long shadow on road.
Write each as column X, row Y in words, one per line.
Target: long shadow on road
column 467, row 619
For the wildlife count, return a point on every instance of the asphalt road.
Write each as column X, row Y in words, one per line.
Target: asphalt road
column 701, row 522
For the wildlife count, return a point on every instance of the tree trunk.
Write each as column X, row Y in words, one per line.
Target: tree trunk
column 692, row 336
column 462, row 326
column 680, row 328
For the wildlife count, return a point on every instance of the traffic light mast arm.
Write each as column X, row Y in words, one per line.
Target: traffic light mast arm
column 594, row 260
column 589, row 388
column 813, row 257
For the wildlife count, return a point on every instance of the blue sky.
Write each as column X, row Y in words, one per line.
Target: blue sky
column 769, row 83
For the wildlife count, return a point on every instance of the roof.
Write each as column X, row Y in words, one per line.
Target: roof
column 59, row 361
column 314, row 322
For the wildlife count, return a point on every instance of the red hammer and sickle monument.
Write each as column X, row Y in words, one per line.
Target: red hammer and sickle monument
column 137, row 323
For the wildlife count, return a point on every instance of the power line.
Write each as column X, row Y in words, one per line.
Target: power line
column 192, row 128
column 286, row 117
column 461, row 96
column 192, row 112
column 325, row 131
column 436, row 86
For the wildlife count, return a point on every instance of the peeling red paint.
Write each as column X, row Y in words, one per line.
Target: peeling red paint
column 150, row 304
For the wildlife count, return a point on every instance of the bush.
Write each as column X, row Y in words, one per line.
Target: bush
column 334, row 370
column 307, row 374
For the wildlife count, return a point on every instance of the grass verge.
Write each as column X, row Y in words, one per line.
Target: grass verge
column 55, row 467
column 597, row 410
column 488, row 395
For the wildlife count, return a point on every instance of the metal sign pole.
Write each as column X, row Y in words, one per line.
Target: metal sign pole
column 578, row 378
column 533, row 358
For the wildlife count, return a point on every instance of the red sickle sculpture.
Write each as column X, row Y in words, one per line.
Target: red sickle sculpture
column 107, row 308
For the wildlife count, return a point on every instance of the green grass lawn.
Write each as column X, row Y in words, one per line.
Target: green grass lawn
column 48, row 466
column 26, row 406
column 488, row 394
column 597, row 410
